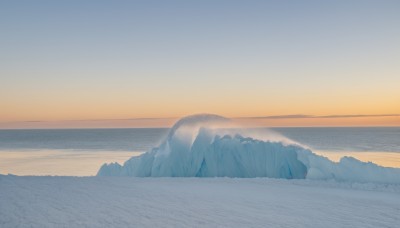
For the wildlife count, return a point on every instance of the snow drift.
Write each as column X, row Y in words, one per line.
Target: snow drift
column 208, row 146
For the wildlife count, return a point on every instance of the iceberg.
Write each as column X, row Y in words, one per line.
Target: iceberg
column 208, row 145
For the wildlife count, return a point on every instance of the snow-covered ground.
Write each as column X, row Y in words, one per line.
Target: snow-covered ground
column 194, row 202
column 313, row 191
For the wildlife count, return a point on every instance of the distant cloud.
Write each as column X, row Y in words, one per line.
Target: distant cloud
column 297, row 116
column 169, row 121
column 301, row 116
column 93, row 120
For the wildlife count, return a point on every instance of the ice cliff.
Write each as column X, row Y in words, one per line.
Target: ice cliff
column 207, row 146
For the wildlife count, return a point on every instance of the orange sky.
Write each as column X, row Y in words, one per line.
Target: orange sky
column 246, row 122
column 64, row 63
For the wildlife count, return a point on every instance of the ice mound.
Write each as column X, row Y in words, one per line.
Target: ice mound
column 207, row 146
column 348, row 169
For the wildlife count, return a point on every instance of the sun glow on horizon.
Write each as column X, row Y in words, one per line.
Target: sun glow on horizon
column 241, row 60
column 272, row 121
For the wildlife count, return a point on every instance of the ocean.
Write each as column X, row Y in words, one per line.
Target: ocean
column 81, row 152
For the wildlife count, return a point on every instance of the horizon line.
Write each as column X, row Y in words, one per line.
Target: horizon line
column 291, row 116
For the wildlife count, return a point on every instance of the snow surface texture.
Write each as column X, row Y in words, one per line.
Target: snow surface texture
column 207, row 146
column 194, row 202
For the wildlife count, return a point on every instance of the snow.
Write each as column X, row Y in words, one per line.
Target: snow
column 194, row 202
column 286, row 185
column 207, row 146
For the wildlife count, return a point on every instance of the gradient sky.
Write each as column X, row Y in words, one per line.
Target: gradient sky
column 111, row 60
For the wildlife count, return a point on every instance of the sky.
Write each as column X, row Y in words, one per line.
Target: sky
column 146, row 63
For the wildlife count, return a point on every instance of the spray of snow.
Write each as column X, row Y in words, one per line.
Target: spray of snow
column 212, row 146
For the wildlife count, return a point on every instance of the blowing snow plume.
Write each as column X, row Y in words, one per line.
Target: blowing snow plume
column 208, row 146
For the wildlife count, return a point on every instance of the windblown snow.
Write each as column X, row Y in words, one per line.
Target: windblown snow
column 210, row 146
column 194, row 202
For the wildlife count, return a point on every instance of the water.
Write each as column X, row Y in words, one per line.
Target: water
column 135, row 139
column 82, row 151
column 356, row 139
column 77, row 152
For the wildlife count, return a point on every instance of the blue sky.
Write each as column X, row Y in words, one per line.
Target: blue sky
column 63, row 60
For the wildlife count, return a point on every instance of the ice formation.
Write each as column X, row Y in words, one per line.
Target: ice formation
column 206, row 146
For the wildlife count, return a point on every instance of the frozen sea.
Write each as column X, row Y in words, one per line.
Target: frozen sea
column 80, row 152
column 99, row 201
